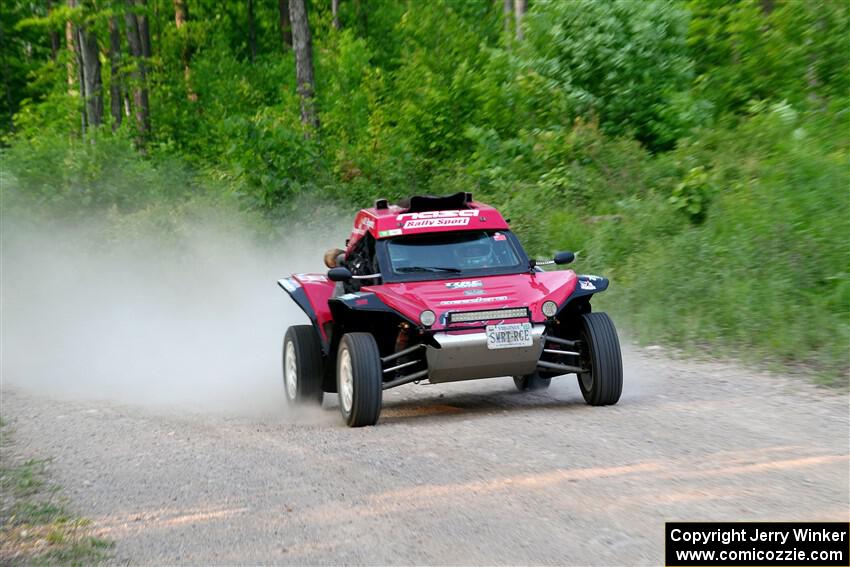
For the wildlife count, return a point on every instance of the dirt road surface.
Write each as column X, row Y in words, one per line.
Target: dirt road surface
column 470, row 473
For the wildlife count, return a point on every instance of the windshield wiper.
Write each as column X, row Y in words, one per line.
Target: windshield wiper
column 428, row 269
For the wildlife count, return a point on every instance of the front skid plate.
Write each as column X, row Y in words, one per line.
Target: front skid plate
column 466, row 357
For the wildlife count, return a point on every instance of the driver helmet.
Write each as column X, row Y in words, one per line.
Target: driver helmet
column 475, row 254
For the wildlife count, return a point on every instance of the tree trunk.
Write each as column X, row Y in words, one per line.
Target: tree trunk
column 139, row 74
column 115, row 95
column 362, row 11
column 181, row 17
column 72, row 54
column 335, row 12
column 252, row 32
column 507, row 8
column 303, row 45
column 520, row 7
column 285, row 25
column 84, row 42
column 54, row 45
column 54, row 36
column 144, row 35
column 181, row 13
column 90, row 55
column 813, row 80
column 7, row 83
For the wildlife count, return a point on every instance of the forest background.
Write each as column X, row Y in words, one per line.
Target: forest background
column 697, row 152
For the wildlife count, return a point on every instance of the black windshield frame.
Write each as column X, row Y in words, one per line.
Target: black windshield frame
column 389, row 275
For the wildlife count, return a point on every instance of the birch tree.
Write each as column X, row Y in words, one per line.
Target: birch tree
column 285, row 25
column 115, row 91
column 139, row 73
column 303, row 45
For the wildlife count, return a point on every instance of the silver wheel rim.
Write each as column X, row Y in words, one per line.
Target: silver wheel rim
column 346, row 381
column 291, row 371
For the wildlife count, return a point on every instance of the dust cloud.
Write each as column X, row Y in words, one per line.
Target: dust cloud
column 193, row 320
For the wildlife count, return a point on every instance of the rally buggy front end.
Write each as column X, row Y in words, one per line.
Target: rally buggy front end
column 441, row 291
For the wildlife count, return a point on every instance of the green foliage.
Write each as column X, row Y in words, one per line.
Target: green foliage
column 784, row 50
column 766, row 272
column 694, row 151
column 58, row 174
column 622, row 60
column 21, row 55
column 693, row 193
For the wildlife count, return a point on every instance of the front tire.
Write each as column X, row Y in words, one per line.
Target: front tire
column 531, row 382
column 302, row 366
column 603, row 384
column 359, row 379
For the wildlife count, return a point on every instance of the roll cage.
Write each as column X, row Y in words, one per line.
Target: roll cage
column 370, row 256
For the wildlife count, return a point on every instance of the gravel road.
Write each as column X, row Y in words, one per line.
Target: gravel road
column 469, row 473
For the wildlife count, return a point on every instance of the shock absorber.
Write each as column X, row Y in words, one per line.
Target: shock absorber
column 402, row 340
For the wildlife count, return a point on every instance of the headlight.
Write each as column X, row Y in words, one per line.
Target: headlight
column 427, row 318
column 550, row 308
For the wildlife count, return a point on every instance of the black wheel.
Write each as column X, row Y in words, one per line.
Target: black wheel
column 358, row 379
column 603, row 384
column 302, row 366
column 531, row 382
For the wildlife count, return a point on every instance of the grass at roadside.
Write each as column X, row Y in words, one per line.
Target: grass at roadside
column 35, row 526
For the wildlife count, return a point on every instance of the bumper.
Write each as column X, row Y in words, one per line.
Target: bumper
column 466, row 357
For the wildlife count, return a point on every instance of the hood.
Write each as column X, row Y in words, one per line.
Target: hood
column 473, row 294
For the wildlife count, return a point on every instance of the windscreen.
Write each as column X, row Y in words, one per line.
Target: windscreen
column 453, row 252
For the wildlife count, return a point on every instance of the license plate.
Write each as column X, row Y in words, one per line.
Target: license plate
column 508, row 335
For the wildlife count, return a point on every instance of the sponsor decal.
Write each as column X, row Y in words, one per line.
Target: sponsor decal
column 474, row 292
column 312, row 278
column 429, row 223
column 466, row 213
column 586, row 285
column 390, row 232
column 349, row 296
column 499, row 236
column 464, row 284
column 364, row 226
column 590, row 277
column 474, row 300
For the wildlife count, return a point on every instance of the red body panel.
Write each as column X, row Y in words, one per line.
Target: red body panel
column 490, row 292
column 394, row 221
column 318, row 289
column 444, row 295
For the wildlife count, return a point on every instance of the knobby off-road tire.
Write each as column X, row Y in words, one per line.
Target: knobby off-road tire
column 302, row 366
column 358, row 379
column 603, row 384
column 531, row 382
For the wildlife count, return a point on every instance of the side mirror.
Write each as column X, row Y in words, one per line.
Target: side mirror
column 564, row 257
column 339, row 274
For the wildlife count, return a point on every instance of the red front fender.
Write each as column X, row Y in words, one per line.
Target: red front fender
column 311, row 292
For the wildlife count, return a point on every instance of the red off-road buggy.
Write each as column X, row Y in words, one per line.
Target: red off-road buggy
column 439, row 289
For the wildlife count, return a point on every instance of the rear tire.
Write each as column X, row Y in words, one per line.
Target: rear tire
column 302, row 366
column 531, row 382
column 603, row 384
column 359, row 379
